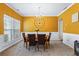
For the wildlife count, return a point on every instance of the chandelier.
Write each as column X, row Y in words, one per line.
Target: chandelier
column 39, row 21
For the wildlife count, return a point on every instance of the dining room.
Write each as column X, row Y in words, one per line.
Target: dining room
column 35, row 29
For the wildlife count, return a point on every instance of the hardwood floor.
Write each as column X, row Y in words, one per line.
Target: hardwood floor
column 57, row 48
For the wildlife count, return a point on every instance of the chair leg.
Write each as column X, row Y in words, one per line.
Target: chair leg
column 29, row 48
column 44, row 47
column 49, row 44
column 37, row 46
column 46, row 44
column 26, row 44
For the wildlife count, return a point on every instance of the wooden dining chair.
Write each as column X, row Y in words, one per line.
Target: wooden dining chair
column 24, row 39
column 31, row 39
column 48, row 40
column 41, row 40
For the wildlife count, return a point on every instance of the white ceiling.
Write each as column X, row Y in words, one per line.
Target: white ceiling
column 32, row 9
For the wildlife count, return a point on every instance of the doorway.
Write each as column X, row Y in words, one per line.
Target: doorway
column 60, row 29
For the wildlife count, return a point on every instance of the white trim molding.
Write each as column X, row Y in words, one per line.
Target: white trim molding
column 54, row 35
column 6, row 44
column 69, row 39
column 65, row 9
column 17, row 11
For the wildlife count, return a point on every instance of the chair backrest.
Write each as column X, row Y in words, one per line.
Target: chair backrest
column 31, row 38
column 41, row 38
column 23, row 34
column 76, row 47
column 49, row 36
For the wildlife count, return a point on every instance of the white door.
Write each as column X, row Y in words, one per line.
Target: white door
column 60, row 29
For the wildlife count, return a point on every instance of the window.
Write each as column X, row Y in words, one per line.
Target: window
column 11, row 27
column 75, row 17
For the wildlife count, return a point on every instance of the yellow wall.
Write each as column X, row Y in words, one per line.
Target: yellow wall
column 4, row 9
column 51, row 24
column 68, row 26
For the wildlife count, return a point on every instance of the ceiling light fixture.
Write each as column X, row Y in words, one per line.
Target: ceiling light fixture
column 38, row 21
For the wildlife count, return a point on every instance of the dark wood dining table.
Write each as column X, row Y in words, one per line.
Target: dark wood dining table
column 46, row 37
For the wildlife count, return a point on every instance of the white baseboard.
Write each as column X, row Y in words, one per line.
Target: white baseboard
column 69, row 39
column 5, row 43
